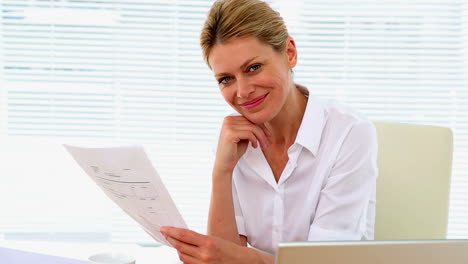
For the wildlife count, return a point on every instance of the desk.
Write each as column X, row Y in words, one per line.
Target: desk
column 81, row 251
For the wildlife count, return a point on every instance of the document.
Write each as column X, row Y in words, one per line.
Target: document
column 128, row 178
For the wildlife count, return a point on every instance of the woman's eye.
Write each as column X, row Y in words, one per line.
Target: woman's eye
column 254, row 67
column 224, row 80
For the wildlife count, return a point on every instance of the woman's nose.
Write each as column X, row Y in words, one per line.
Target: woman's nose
column 244, row 89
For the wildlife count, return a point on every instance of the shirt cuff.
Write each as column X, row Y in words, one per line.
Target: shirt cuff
column 320, row 234
column 240, row 225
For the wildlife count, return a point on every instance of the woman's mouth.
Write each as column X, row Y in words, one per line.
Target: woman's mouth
column 254, row 102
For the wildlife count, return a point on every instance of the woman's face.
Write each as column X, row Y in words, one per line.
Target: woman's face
column 253, row 78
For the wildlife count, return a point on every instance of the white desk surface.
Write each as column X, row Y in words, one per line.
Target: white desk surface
column 81, row 251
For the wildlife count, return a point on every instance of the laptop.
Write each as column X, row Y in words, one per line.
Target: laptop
column 374, row 252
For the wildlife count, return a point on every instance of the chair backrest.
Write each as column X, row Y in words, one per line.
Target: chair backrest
column 413, row 187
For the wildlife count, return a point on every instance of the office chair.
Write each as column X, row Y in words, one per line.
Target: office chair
column 415, row 163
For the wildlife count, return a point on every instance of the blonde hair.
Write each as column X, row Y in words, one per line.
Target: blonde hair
column 228, row 19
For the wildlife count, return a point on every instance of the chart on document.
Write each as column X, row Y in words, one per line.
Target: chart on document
column 127, row 177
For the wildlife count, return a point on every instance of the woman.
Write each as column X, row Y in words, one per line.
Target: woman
column 289, row 167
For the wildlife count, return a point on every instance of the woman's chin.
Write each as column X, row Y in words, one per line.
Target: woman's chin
column 258, row 118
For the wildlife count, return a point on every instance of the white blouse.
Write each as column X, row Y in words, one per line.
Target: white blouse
column 326, row 191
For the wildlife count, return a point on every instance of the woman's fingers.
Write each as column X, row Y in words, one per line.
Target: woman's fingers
column 246, row 135
column 240, row 123
column 183, row 235
column 185, row 248
column 235, row 134
column 191, row 246
column 197, row 248
column 254, row 134
column 184, row 240
column 187, row 259
column 261, row 136
column 265, row 130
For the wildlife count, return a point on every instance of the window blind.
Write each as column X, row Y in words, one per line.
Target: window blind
column 106, row 71
column 395, row 61
column 118, row 72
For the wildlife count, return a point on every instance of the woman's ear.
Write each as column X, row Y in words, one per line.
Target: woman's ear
column 291, row 52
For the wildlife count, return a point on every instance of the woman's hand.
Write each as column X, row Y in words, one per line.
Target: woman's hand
column 236, row 133
column 195, row 248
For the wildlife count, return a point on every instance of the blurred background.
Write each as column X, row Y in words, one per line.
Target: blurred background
column 131, row 72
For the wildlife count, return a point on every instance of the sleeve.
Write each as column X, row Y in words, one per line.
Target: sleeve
column 347, row 198
column 237, row 207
